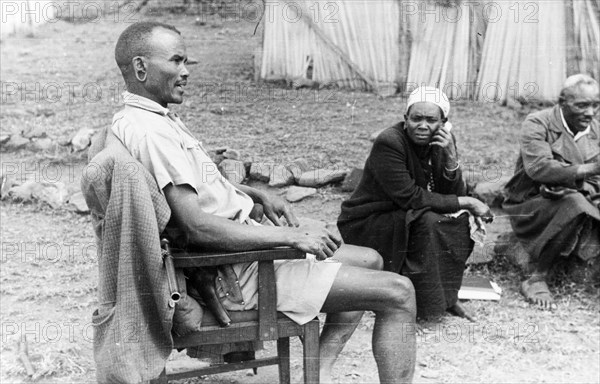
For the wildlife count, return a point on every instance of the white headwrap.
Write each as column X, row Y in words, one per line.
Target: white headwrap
column 431, row 95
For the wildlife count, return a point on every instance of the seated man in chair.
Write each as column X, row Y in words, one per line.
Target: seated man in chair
column 212, row 213
column 554, row 196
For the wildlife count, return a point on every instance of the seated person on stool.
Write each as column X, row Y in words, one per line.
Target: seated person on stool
column 554, row 195
column 410, row 204
column 213, row 213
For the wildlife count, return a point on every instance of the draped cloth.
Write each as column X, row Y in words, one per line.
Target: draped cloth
column 132, row 325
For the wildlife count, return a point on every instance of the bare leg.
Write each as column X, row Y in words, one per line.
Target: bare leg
column 392, row 298
column 341, row 325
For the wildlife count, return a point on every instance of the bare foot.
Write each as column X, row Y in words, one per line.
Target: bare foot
column 458, row 310
column 536, row 291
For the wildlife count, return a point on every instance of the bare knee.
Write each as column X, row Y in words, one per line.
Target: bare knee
column 373, row 259
column 399, row 293
column 363, row 257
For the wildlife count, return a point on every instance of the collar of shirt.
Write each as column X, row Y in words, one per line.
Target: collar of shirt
column 142, row 102
column 579, row 134
column 137, row 101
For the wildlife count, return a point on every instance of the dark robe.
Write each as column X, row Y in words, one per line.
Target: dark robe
column 559, row 226
column 395, row 212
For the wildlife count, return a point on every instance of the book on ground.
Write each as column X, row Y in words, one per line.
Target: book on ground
column 479, row 288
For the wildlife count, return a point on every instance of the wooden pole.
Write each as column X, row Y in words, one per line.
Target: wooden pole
column 333, row 47
column 573, row 49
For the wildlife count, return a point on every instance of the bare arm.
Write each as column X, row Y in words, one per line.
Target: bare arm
column 218, row 233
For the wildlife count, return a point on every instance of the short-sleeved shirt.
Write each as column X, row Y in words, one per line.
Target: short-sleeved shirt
column 157, row 138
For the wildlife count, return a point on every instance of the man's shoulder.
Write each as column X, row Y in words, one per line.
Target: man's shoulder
column 543, row 116
column 139, row 122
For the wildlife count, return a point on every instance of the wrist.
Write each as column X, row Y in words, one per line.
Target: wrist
column 452, row 166
column 465, row 202
column 290, row 236
column 256, row 195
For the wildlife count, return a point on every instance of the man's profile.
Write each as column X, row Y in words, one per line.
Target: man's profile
column 210, row 212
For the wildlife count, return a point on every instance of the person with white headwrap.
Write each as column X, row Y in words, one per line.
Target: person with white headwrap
column 412, row 181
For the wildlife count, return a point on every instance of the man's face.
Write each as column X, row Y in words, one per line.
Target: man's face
column 580, row 106
column 422, row 122
column 166, row 71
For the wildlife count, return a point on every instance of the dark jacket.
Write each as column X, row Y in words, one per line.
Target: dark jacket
column 393, row 185
column 549, row 155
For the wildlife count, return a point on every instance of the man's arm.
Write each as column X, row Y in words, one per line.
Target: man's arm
column 218, row 233
column 273, row 207
column 539, row 161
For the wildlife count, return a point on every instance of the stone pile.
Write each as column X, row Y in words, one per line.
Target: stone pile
column 297, row 176
column 36, row 139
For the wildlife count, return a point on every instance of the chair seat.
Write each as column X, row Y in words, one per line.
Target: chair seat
column 208, row 320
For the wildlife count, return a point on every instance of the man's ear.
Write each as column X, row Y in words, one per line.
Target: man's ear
column 139, row 68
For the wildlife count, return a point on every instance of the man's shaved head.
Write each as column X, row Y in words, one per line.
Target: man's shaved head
column 134, row 42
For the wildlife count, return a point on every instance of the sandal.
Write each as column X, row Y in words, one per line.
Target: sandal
column 536, row 291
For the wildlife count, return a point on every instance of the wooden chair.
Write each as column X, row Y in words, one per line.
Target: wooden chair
column 262, row 324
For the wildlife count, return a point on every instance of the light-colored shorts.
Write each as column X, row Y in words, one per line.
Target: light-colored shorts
column 302, row 287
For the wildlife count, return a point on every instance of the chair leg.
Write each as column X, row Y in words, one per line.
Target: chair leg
column 311, row 352
column 283, row 353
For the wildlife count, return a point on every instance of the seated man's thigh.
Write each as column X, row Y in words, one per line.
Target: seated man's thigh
column 357, row 256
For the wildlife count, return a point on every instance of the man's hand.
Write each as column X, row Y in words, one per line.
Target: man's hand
column 318, row 241
column 476, row 207
column 275, row 207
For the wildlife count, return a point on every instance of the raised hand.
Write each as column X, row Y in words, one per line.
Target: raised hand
column 444, row 139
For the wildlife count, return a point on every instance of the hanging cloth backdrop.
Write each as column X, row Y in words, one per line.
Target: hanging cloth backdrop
column 348, row 43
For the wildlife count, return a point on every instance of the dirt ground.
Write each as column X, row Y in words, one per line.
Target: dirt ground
column 48, row 263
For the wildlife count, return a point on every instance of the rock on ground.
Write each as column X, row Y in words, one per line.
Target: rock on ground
column 53, row 194
column 233, row 170
column 319, row 177
column 352, row 179
column 261, row 171
column 43, row 144
column 76, row 202
column 82, row 139
column 16, row 142
column 298, row 167
column 295, row 193
column 280, row 176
